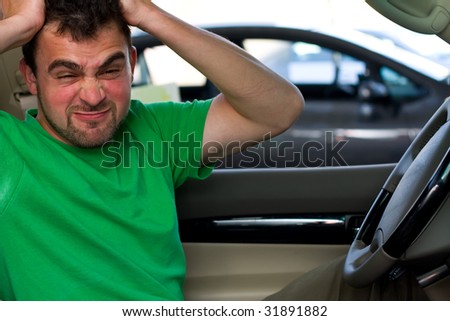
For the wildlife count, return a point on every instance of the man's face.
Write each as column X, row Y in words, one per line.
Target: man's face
column 83, row 88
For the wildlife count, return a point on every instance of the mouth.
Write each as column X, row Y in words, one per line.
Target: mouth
column 91, row 115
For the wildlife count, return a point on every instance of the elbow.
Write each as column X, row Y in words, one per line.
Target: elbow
column 297, row 103
column 293, row 106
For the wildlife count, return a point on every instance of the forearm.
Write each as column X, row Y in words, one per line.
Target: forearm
column 13, row 33
column 20, row 20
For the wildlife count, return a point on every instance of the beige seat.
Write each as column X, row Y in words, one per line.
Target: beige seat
column 14, row 95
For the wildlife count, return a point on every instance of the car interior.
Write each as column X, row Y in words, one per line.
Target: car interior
column 249, row 232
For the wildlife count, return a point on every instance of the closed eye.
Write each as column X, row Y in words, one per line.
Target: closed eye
column 65, row 76
column 110, row 73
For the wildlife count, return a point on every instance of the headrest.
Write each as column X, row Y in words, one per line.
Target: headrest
column 13, row 86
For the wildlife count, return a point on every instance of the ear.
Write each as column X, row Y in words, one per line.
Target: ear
column 28, row 76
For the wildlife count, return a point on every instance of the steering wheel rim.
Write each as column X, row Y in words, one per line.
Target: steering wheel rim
column 406, row 204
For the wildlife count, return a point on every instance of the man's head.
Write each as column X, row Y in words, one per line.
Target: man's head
column 80, row 66
column 81, row 19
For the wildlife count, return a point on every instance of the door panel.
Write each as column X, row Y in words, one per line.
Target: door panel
column 246, row 268
column 243, row 192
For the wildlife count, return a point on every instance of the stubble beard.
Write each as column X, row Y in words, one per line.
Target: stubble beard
column 94, row 134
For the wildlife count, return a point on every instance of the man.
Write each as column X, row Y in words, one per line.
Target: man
column 76, row 224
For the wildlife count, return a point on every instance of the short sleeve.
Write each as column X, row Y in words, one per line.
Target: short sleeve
column 181, row 127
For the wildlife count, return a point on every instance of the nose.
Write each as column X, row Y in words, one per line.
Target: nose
column 91, row 91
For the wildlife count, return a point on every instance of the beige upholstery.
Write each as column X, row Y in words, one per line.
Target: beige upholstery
column 11, row 82
column 428, row 17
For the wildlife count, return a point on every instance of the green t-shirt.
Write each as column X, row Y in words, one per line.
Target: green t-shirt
column 97, row 224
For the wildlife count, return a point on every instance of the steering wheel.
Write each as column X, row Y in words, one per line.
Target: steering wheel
column 405, row 221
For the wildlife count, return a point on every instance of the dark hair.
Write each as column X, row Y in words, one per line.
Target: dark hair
column 82, row 19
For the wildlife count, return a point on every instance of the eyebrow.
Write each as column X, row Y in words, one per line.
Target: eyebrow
column 74, row 66
column 64, row 63
column 111, row 59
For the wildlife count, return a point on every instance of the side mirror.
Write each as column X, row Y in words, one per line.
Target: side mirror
column 372, row 90
column 374, row 100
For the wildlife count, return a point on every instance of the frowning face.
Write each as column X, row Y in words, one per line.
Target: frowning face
column 83, row 88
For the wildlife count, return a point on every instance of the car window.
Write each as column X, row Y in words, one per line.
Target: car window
column 305, row 63
column 399, row 86
column 170, row 68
